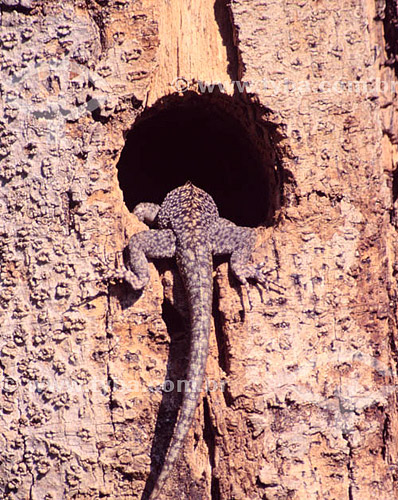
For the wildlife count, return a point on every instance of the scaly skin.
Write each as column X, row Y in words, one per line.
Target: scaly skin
column 190, row 229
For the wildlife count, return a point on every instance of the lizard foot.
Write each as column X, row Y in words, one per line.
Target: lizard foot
column 261, row 278
column 136, row 282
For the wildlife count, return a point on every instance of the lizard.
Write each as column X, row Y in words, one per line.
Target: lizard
column 189, row 228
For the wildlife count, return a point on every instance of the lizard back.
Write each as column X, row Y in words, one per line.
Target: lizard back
column 187, row 208
column 190, row 212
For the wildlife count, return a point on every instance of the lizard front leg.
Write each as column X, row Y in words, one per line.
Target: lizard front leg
column 153, row 244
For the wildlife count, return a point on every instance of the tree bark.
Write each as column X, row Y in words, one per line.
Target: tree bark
column 301, row 395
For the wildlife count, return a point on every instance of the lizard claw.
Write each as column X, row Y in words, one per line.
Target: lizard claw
column 261, row 277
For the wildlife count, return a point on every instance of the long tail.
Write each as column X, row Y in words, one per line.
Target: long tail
column 197, row 277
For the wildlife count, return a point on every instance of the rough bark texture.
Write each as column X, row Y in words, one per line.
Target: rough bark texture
column 309, row 405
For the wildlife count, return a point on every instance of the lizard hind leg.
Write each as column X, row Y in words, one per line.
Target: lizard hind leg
column 247, row 271
column 227, row 238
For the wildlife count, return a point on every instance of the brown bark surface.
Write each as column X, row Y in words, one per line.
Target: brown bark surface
column 305, row 406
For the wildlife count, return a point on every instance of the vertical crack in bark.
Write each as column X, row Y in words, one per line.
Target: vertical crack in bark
column 395, row 185
column 98, row 17
column 223, row 358
column 386, row 436
column 390, row 22
column 110, row 383
column 69, row 205
column 224, row 19
column 209, row 438
column 350, row 467
column 393, row 326
column 394, row 196
column 109, row 379
column 31, row 497
column 29, row 471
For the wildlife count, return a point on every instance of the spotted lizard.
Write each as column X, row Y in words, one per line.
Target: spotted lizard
column 190, row 229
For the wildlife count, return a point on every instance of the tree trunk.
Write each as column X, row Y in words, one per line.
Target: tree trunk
column 286, row 113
